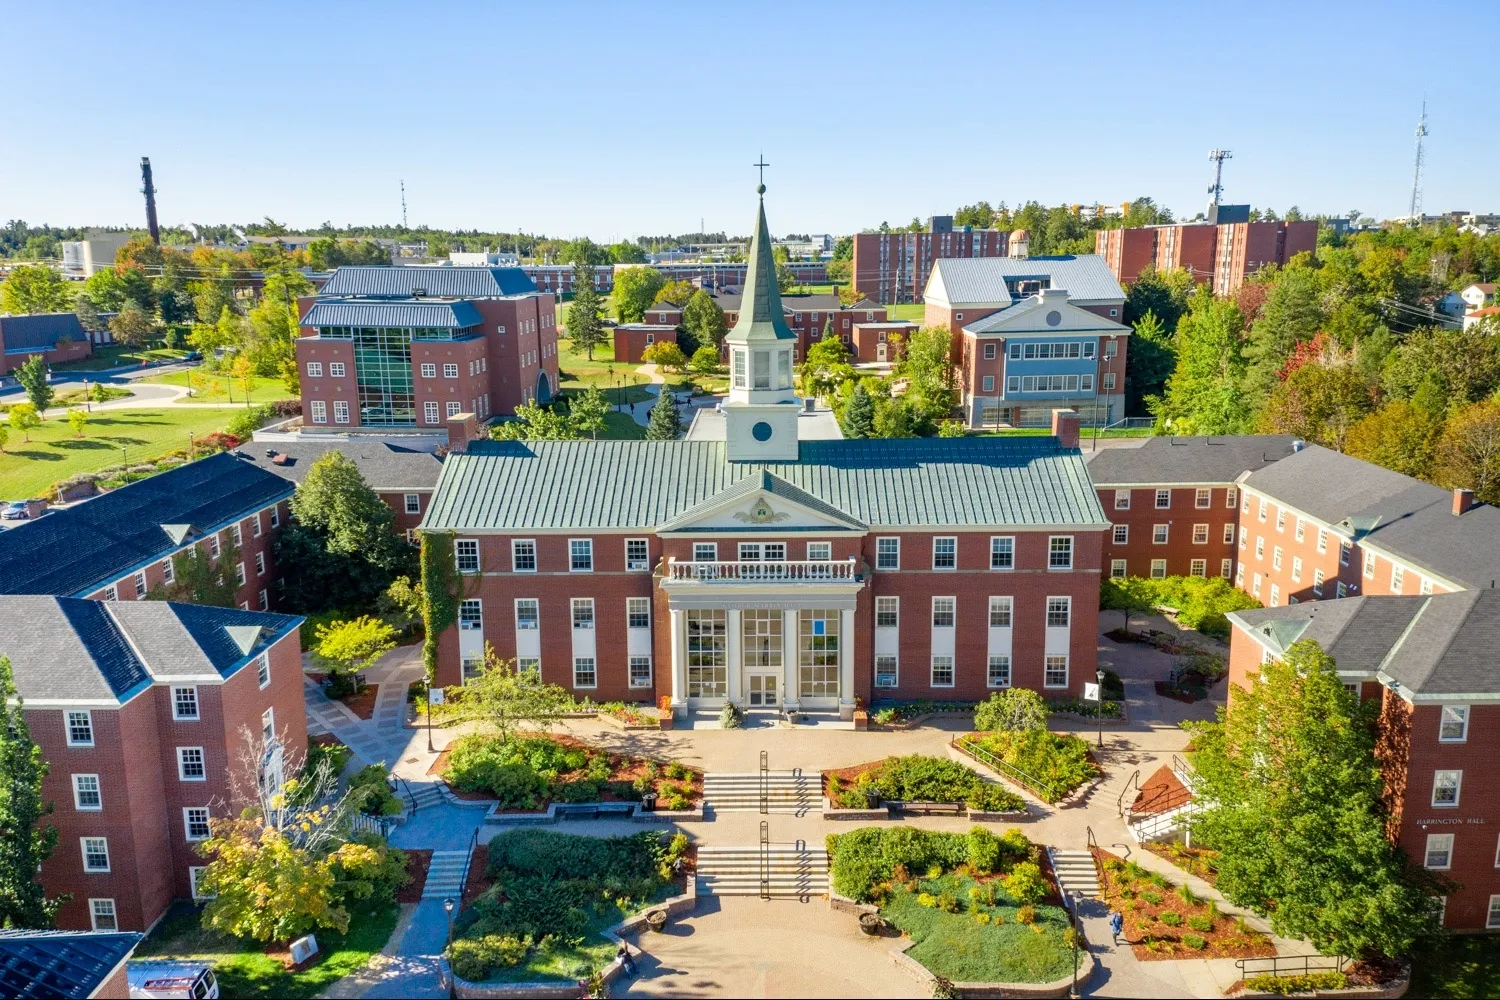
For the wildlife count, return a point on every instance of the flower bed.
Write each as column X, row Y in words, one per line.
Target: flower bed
column 531, row 771
column 552, row 894
column 1049, row 765
column 1167, row 921
column 917, row 778
column 974, row 904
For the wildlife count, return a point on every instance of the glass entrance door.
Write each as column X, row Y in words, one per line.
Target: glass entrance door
column 763, row 691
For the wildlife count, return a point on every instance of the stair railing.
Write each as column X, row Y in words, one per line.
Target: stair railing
column 463, row 882
column 765, row 783
column 1133, row 783
column 765, row 859
column 410, row 796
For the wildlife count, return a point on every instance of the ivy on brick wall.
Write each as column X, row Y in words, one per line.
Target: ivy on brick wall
column 440, row 594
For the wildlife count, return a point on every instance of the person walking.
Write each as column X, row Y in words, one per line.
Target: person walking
column 1116, row 924
column 626, row 961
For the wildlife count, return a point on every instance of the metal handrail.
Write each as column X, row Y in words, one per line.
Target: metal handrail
column 1092, row 843
column 410, row 795
column 748, row 571
column 1030, row 781
column 1291, row 965
column 463, row 882
column 765, row 783
column 1134, row 782
column 765, row 859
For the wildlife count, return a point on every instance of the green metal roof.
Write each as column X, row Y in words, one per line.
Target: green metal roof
column 761, row 318
column 950, row 482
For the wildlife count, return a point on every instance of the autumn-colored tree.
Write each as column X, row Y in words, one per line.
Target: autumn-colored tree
column 1399, row 436
column 1468, row 453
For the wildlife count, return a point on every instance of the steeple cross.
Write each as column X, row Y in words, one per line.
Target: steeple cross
column 762, row 165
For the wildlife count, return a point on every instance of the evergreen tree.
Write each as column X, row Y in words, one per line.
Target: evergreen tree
column 33, row 378
column 1205, row 394
column 1150, row 362
column 1292, row 314
column 666, row 422
column 859, row 415
column 585, row 328
column 24, row 841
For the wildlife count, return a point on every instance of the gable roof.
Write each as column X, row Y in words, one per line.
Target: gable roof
column 66, row 964
column 559, row 485
column 970, row 281
column 1034, row 315
column 763, row 482
column 383, row 465
column 77, row 549
column 1188, row 460
column 1358, row 632
column 456, row 315
column 1405, row 517
column 436, row 282
column 38, row 332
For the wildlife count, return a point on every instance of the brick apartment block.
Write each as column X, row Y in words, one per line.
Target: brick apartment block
column 895, row 267
column 1224, row 254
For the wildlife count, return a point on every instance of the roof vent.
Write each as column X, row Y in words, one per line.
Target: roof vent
column 419, row 292
column 270, row 452
column 1298, row 444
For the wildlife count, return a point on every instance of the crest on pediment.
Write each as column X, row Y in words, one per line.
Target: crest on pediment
column 761, row 513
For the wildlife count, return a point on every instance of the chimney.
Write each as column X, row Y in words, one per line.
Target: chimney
column 1462, row 500
column 462, row 428
column 1065, row 427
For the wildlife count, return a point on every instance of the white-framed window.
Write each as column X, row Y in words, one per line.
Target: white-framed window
column 1001, row 609
column 1117, row 569
column 581, row 555
column 1202, row 497
column 1276, row 557
column 1344, row 553
column 1198, row 567
column 1225, row 567
column 640, row 671
column 1107, row 381
column 637, row 612
column 1060, row 552
column 705, row 552
column 87, row 796
column 239, row 573
column 1370, row 565
column 80, row 729
column 168, row 571
column 989, row 352
column 263, row 669
column 185, row 704
column 943, row 612
column 255, row 527
column 1158, row 569
column 1343, row 589
column 886, row 675
column 942, row 671
column 819, row 551
column 1398, row 577
column 1229, row 533
column 453, row 407
column 213, row 553
column 1055, row 672
column 429, row 370
column 1317, row 582
column 450, row 371
column 1122, row 534
column 1244, row 536
column 1322, row 540
column 1159, row 534
column 1200, row 534
column 195, row 877
column 998, row 675
column 1301, row 530
column 1454, row 725
column 190, row 764
column 1275, row 595
column 1296, row 569
column 1446, row 786
column 637, row 555
column 412, row 502
column 336, row 369
column 268, row 724
column 945, row 552
column 887, row 612
column 1439, row 852
column 260, row 563
column 528, row 614
column 1122, row 499
column 583, row 612
column 315, row 369
column 195, row 823
column 1260, row 547
column 1424, row 587
column 585, row 673
column 1059, row 611
column 471, row 615
column 430, row 413
column 1231, row 497
column 523, row 555
column 102, row 916
column 341, row 411
column 466, row 555
column 1492, row 915
column 888, row 552
column 1281, row 519
column 1163, row 499
column 988, row 383
column 1002, row 552
column 1260, row 513
column 95, row 853
column 1239, row 575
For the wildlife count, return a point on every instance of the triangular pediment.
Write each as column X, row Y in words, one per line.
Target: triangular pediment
column 1037, row 316
column 762, row 502
column 178, row 532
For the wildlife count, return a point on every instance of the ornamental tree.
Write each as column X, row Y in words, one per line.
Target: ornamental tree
column 1013, row 709
column 25, row 840
column 23, row 417
column 355, row 645
column 33, row 378
column 504, row 694
column 666, row 354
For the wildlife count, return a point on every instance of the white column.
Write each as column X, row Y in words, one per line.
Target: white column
column 679, row 659
column 735, row 652
column 790, row 676
column 846, row 664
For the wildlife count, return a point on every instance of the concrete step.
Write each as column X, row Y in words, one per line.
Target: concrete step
column 445, row 874
column 1075, row 871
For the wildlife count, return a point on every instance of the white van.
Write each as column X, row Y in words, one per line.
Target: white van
column 176, row 980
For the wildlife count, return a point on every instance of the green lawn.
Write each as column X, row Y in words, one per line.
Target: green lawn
column 1460, row 967
column 54, row 453
column 221, row 388
column 243, row 968
column 913, row 311
column 115, row 355
column 580, row 371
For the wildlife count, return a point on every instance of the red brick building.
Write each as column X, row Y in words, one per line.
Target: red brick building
column 808, row 316
column 632, row 339
column 880, row 342
column 119, row 546
column 143, row 711
column 57, row 337
column 1225, row 254
column 894, row 267
column 402, row 349
column 772, row 572
column 1430, row 661
column 1174, row 502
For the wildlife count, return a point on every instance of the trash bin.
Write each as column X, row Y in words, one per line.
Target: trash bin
column 648, row 802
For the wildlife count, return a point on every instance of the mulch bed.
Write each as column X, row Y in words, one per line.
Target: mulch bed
column 1160, row 792
column 1159, row 941
column 1363, row 974
column 479, row 879
column 849, row 775
column 1192, row 859
column 327, row 740
column 417, row 863
column 362, row 704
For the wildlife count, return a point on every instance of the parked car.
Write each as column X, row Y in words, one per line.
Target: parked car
column 14, row 511
column 177, row 980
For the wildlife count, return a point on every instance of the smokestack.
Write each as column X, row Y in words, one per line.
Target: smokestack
column 150, row 192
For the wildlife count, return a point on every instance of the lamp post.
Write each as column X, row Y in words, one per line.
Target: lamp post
column 449, row 905
column 429, row 722
column 1073, row 900
column 87, row 403
column 1100, row 677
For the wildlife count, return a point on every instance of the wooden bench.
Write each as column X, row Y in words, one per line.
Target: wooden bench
column 928, row 808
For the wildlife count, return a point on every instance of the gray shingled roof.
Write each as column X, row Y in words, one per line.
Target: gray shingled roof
column 545, row 485
column 438, row 282
column 457, row 315
column 385, row 466
column 38, row 332
column 1194, row 460
column 1406, row 517
column 1358, row 632
column 1086, row 278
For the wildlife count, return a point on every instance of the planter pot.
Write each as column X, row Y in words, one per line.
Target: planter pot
column 657, row 920
column 871, row 923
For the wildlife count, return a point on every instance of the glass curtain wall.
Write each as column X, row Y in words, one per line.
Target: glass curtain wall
column 818, row 652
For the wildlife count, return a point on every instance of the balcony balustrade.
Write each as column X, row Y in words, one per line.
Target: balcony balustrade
column 757, row 572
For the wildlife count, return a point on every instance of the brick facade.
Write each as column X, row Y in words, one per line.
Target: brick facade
column 894, row 267
column 1224, row 254
column 1140, row 550
column 632, row 339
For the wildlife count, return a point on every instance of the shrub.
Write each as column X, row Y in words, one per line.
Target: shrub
column 1186, row 894
column 1154, row 898
column 984, row 850
column 868, row 856
column 731, row 717
column 1025, row 883
column 1201, row 923
column 367, row 873
column 1013, row 710
column 475, row 958
column 677, row 770
column 1055, row 764
column 1195, row 941
column 246, row 422
column 921, row 778
column 1026, row 915
column 1305, row 983
column 1170, row 917
column 377, row 799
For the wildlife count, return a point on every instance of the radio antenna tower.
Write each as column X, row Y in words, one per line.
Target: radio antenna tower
column 1217, row 189
column 1416, row 174
column 403, row 204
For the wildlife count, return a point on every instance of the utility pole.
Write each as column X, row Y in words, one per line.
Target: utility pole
column 1218, row 156
column 149, row 191
column 1416, row 174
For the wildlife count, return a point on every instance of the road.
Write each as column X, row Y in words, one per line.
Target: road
column 64, row 381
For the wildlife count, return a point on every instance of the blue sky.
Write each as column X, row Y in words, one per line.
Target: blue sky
column 623, row 119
